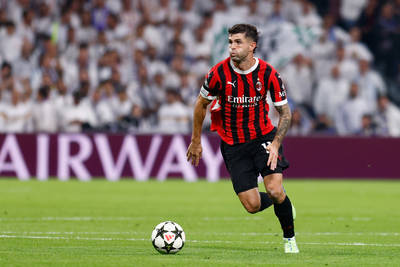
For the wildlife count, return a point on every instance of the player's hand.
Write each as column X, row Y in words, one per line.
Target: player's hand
column 194, row 153
column 273, row 149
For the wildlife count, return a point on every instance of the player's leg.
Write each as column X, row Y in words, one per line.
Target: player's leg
column 254, row 201
column 265, row 201
column 282, row 204
column 273, row 184
column 250, row 200
column 244, row 178
column 283, row 209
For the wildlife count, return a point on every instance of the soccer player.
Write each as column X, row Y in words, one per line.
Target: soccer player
column 250, row 145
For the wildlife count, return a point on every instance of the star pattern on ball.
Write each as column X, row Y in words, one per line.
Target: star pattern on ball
column 163, row 233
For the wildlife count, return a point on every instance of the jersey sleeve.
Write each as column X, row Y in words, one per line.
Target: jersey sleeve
column 211, row 85
column 277, row 89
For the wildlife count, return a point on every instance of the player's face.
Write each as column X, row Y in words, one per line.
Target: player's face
column 240, row 47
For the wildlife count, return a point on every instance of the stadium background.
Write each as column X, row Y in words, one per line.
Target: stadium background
column 105, row 89
column 134, row 68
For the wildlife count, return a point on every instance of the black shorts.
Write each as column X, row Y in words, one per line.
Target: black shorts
column 246, row 161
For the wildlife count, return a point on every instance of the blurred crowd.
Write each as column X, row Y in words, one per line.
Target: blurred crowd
column 137, row 65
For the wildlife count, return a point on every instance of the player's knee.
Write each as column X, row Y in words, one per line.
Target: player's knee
column 275, row 192
column 252, row 206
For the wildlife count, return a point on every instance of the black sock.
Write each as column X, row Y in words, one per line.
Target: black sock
column 285, row 215
column 265, row 201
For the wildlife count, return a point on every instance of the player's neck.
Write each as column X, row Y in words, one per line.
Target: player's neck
column 245, row 64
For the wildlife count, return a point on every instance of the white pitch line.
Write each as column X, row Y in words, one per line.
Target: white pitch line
column 73, row 238
column 194, row 241
column 69, row 233
column 73, row 219
column 118, row 218
column 86, row 218
column 350, row 244
column 303, row 243
column 315, row 234
column 216, row 234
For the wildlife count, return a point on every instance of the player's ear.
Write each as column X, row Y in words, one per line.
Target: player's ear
column 253, row 45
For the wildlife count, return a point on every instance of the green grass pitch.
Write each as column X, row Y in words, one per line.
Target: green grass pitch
column 101, row 223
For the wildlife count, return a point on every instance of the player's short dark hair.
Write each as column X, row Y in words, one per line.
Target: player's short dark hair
column 249, row 31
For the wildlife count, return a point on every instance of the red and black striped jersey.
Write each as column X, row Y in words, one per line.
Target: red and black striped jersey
column 240, row 97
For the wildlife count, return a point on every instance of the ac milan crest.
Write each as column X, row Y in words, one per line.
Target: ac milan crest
column 258, row 85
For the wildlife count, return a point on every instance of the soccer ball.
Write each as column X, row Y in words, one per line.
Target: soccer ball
column 168, row 237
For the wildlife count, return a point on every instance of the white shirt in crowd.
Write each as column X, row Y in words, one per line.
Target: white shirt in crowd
column 61, row 102
column 358, row 50
column 2, row 117
column 351, row 9
column 173, row 118
column 308, row 17
column 298, row 79
column 17, row 117
column 26, row 32
column 322, row 53
column 81, row 113
column 120, row 107
column 330, row 95
column 371, row 84
column 388, row 120
column 10, row 45
column 45, row 117
column 348, row 69
column 349, row 116
column 23, row 68
column 104, row 112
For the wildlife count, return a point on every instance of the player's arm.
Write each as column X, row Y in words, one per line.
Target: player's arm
column 283, row 126
column 195, row 149
column 278, row 95
column 285, row 117
column 208, row 93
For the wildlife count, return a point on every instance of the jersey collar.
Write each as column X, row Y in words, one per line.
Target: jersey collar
column 244, row 71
